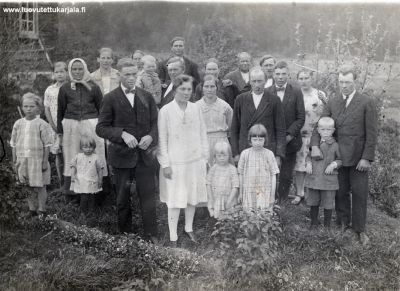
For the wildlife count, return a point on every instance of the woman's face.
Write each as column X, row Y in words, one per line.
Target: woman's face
column 304, row 80
column 212, row 69
column 105, row 60
column 184, row 92
column 209, row 89
column 77, row 71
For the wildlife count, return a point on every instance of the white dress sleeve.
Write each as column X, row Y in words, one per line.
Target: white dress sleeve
column 163, row 157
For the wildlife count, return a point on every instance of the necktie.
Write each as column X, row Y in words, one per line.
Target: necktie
column 280, row 89
column 127, row 91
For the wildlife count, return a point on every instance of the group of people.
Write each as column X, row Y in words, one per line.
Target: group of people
column 162, row 125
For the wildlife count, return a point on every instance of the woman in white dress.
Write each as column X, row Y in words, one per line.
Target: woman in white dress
column 183, row 154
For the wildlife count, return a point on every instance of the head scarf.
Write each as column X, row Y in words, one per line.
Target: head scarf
column 86, row 75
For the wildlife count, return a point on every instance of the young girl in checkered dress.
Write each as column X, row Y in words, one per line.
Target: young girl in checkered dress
column 222, row 181
column 31, row 139
column 257, row 172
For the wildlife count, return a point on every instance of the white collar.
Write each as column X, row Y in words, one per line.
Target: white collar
column 124, row 88
column 350, row 96
column 284, row 86
column 257, row 95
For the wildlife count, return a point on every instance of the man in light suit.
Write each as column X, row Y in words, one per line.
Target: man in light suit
column 175, row 67
column 241, row 77
column 178, row 49
column 128, row 119
column 294, row 114
column 258, row 106
column 356, row 133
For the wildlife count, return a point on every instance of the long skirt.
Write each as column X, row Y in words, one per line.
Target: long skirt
column 73, row 130
column 187, row 186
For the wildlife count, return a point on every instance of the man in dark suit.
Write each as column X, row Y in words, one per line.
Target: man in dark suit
column 356, row 133
column 294, row 114
column 128, row 119
column 178, row 49
column 175, row 67
column 267, row 64
column 241, row 77
column 258, row 106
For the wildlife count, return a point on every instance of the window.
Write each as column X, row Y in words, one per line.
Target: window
column 28, row 21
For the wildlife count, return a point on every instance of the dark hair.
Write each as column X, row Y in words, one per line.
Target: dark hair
column 281, row 65
column 176, row 38
column 258, row 130
column 182, row 78
column 347, row 69
column 266, row 57
column 125, row 62
column 210, row 78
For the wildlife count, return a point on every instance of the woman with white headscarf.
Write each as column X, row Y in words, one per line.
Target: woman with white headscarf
column 78, row 108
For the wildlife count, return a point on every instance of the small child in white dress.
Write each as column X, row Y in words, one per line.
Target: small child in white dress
column 222, row 181
column 257, row 169
column 87, row 173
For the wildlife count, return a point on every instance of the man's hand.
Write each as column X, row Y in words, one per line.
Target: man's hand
column 278, row 161
column 129, row 139
column 316, row 153
column 227, row 82
column 167, row 172
column 236, row 159
column 309, row 168
column 363, row 165
column 331, row 167
column 288, row 138
column 145, row 142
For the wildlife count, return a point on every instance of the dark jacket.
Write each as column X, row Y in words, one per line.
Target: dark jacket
column 191, row 69
column 237, row 79
column 170, row 96
column 226, row 93
column 117, row 115
column 79, row 104
column 269, row 113
column 356, row 128
column 293, row 109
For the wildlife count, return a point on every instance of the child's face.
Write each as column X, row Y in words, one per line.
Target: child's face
column 222, row 158
column 105, row 60
column 60, row 74
column 87, row 149
column 149, row 67
column 257, row 142
column 30, row 109
column 325, row 131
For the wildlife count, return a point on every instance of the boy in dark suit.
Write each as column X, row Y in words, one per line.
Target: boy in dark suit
column 128, row 119
column 356, row 131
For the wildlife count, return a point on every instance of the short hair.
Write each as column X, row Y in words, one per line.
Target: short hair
column 258, row 130
column 256, row 70
column 281, row 65
column 212, row 60
column 266, row 57
column 182, row 78
column 347, row 69
column 105, row 49
column 328, row 121
column 177, row 60
column 35, row 98
column 223, row 147
column 87, row 140
column 138, row 52
column 148, row 58
column 125, row 62
column 239, row 55
column 210, row 78
column 308, row 72
column 59, row 65
column 177, row 38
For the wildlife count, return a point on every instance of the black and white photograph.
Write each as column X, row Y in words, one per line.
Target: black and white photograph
column 200, row 145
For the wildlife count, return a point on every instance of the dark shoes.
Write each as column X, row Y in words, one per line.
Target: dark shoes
column 31, row 214
column 191, row 236
column 173, row 244
column 153, row 239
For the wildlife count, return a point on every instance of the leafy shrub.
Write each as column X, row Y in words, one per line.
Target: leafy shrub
column 248, row 241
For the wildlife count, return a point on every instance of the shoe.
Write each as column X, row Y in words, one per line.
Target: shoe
column 297, row 200
column 31, row 214
column 173, row 244
column 153, row 239
column 192, row 237
column 364, row 239
column 42, row 214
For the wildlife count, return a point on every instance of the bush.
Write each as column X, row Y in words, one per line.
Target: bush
column 248, row 241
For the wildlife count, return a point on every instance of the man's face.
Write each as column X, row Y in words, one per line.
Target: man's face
column 281, row 76
column 257, row 82
column 347, row 83
column 268, row 67
column 174, row 70
column 178, row 48
column 128, row 76
column 244, row 63
column 105, row 60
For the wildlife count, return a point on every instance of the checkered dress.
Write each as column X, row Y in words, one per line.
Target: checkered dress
column 257, row 168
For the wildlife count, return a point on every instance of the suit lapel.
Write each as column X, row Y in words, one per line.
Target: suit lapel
column 340, row 104
column 123, row 100
column 353, row 106
column 287, row 96
column 264, row 104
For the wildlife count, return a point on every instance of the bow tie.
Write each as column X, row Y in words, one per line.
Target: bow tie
column 127, row 91
column 280, row 89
